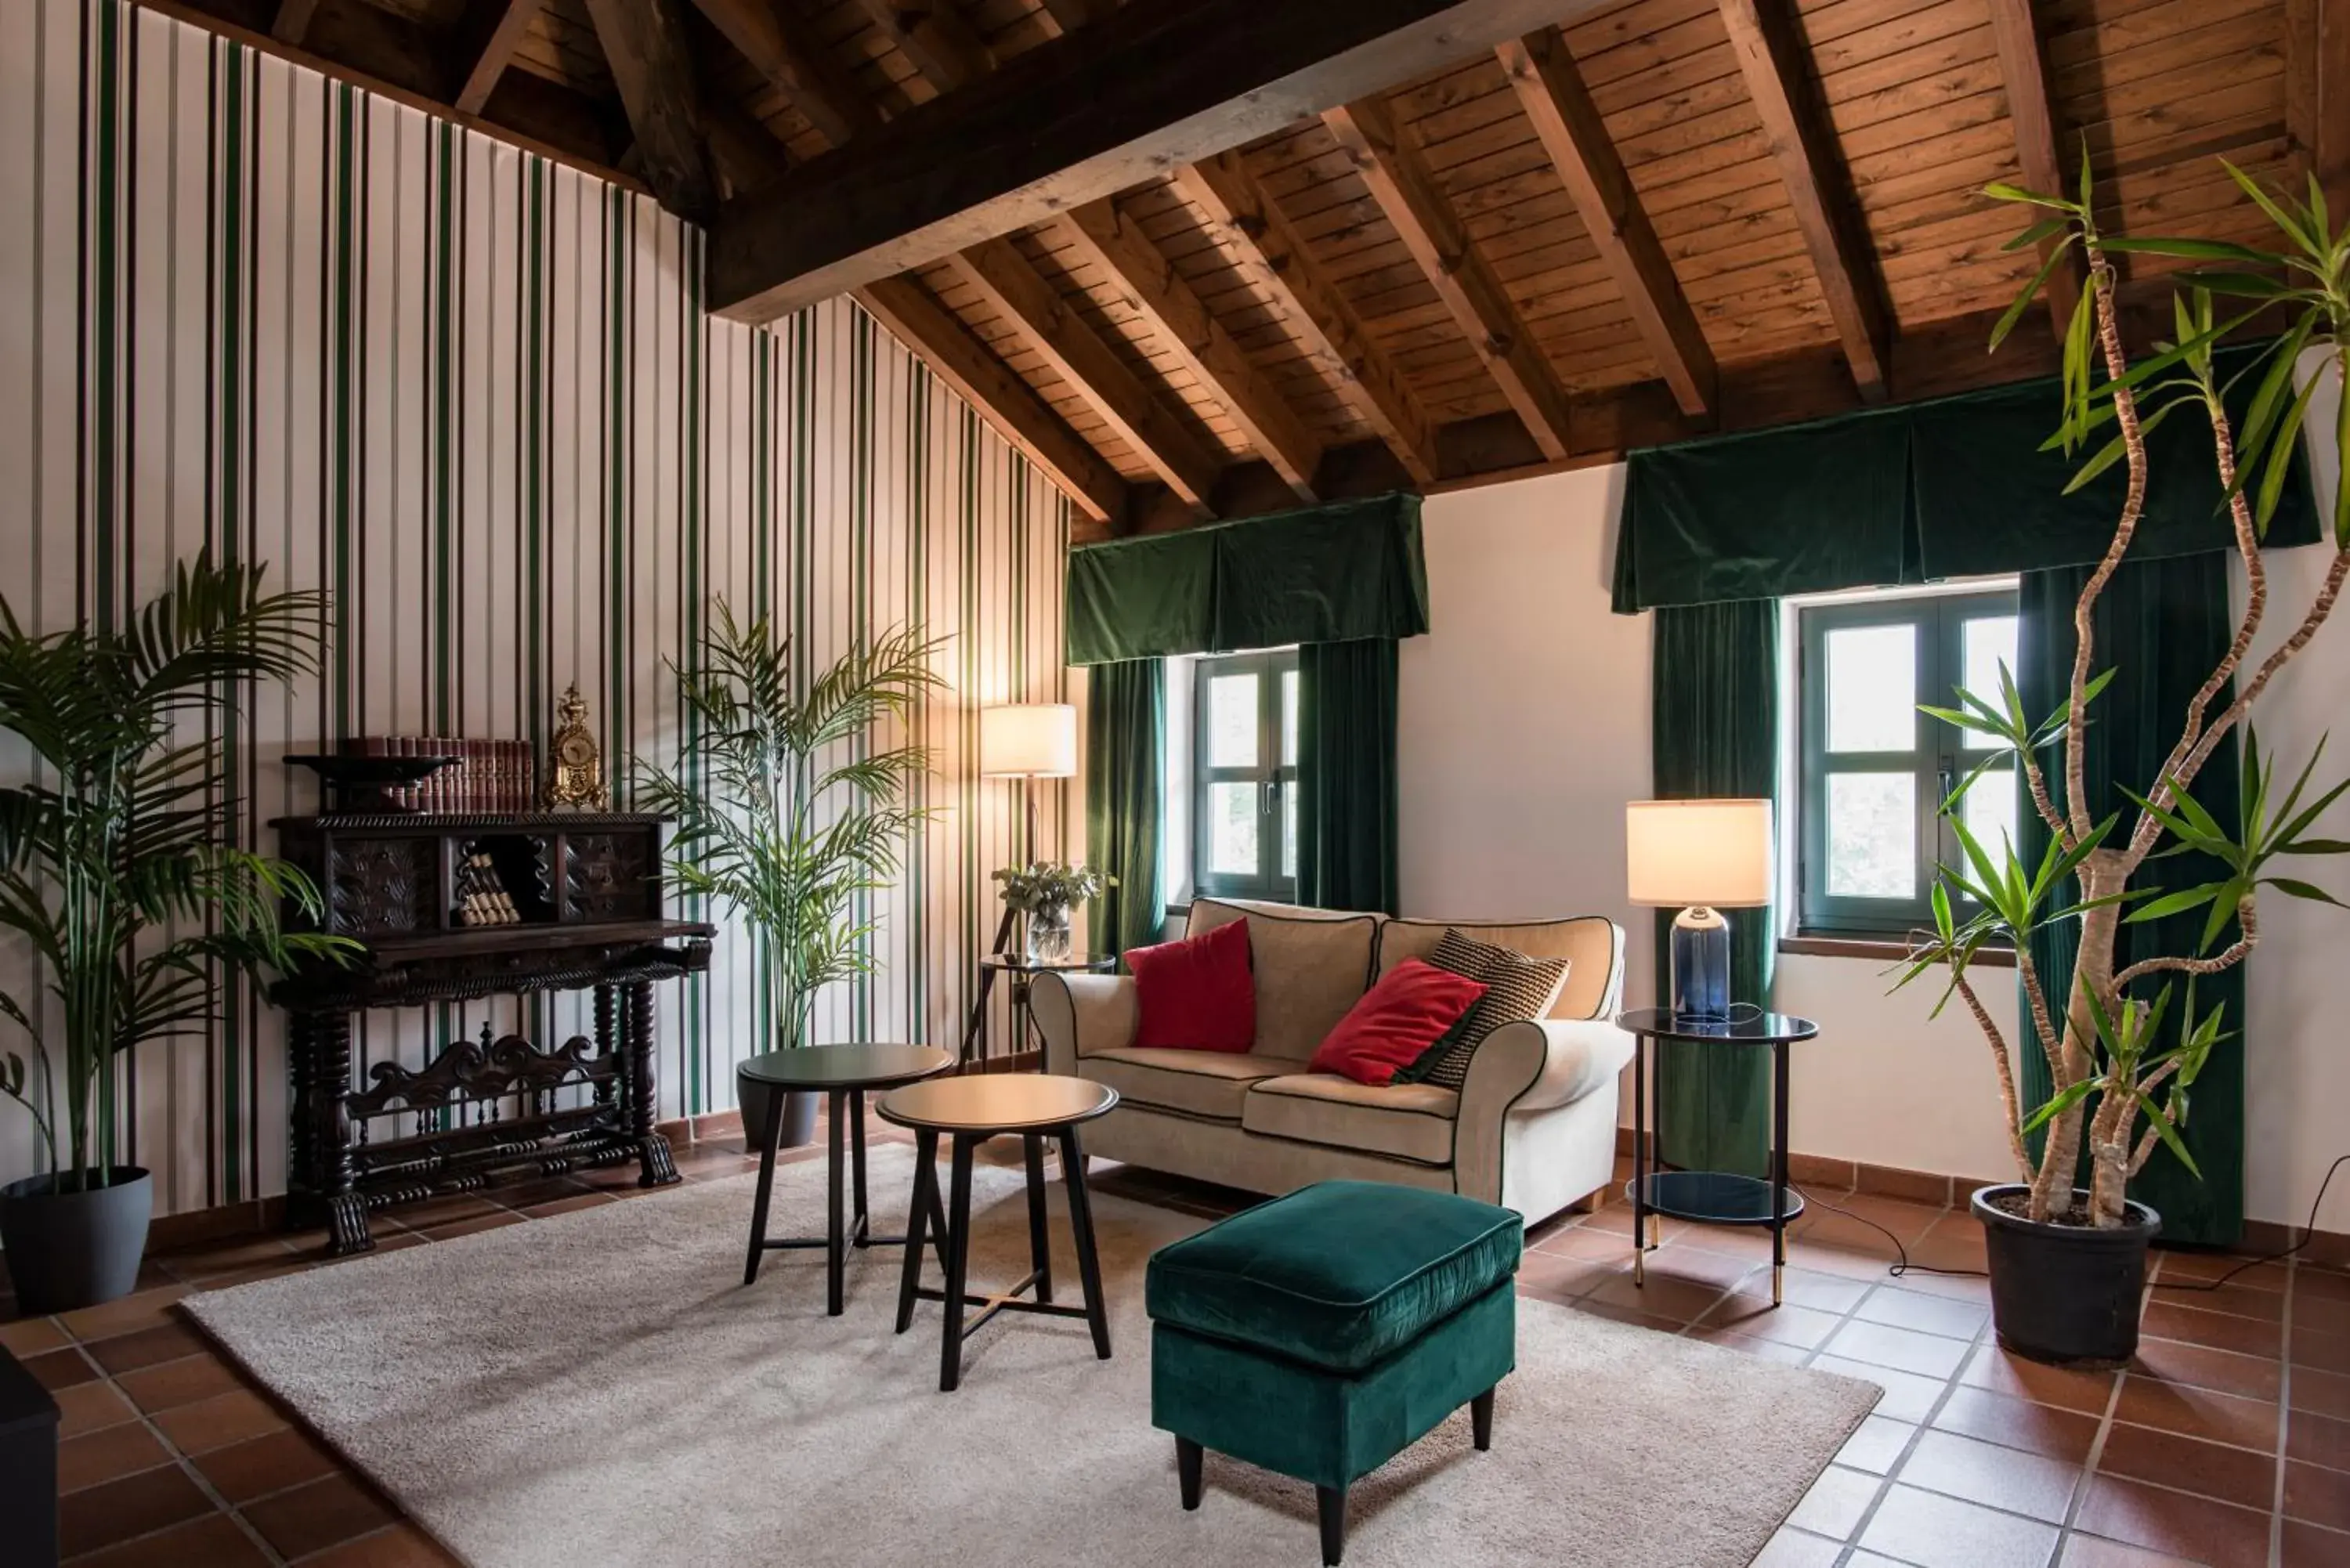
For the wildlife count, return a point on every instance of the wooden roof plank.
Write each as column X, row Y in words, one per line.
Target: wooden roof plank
column 2317, row 92
column 488, row 46
column 932, row 34
column 2021, row 64
column 1770, row 54
column 1419, row 212
column 964, row 363
column 787, row 54
column 1572, row 132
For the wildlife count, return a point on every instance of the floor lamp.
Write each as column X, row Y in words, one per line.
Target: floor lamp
column 1023, row 741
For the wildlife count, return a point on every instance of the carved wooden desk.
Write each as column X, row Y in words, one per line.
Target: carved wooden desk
column 586, row 897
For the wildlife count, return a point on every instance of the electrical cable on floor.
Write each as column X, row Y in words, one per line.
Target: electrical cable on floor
column 1902, row 1265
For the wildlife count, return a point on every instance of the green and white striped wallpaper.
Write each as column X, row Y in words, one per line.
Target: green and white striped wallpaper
column 475, row 395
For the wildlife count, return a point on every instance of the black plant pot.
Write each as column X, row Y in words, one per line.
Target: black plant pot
column 2065, row 1294
column 799, row 1114
column 69, row 1250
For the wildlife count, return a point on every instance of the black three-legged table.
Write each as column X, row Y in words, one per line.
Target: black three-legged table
column 970, row 1110
column 1712, row 1197
column 842, row 1073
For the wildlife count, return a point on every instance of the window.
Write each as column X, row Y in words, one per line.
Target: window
column 1874, row 770
column 1243, row 773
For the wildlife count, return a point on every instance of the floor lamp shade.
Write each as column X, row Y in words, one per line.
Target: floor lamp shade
column 1028, row 741
column 1706, row 856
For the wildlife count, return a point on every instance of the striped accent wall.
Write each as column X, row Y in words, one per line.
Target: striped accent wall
column 474, row 394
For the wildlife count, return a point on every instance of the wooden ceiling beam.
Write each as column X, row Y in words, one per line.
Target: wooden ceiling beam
column 652, row 66
column 2317, row 93
column 1550, row 90
column 933, row 35
column 1767, row 39
column 960, row 359
column 1432, row 232
column 487, row 40
column 1251, row 226
column 1109, row 105
column 1029, row 303
column 786, row 51
column 292, row 23
column 1103, row 235
column 1062, row 17
column 2022, row 69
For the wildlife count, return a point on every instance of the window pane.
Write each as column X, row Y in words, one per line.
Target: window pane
column 1289, row 832
column 1232, row 829
column 1988, row 810
column 1872, row 836
column 1872, row 701
column 1989, row 642
column 1289, row 718
column 1233, row 721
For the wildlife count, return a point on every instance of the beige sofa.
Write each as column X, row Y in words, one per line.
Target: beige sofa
column 1533, row 1127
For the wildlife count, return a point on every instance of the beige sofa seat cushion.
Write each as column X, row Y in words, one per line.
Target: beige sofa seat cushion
column 1194, row 1083
column 1403, row 1121
column 1311, row 966
column 1587, row 943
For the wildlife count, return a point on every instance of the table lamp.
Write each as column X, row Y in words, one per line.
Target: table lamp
column 1027, row 741
column 1706, row 856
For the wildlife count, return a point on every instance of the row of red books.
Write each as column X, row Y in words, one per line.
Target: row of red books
column 488, row 775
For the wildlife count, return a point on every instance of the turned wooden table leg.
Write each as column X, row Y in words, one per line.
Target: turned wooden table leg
column 324, row 1041
column 655, row 1167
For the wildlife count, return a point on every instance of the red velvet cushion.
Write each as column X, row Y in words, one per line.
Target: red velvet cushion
column 1397, row 1019
column 1197, row 995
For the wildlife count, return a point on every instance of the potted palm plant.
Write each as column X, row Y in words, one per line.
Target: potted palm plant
column 2125, row 1045
column 785, row 811
column 115, row 875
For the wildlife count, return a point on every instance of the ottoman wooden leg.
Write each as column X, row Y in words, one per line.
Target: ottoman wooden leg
column 1188, row 1455
column 1480, row 1420
column 1332, row 1501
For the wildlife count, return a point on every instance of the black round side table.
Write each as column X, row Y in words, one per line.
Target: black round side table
column 971, row 1109
column 1023, row 970
column 1712, row 1197
column 843, row 1074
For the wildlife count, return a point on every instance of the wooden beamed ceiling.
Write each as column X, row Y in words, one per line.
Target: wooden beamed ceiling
column 1206, row 258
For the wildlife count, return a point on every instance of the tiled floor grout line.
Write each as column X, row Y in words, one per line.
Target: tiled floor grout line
column 2284, row 1415
column 187, row 1464
column 2096, row 1453
column 1886, row 1483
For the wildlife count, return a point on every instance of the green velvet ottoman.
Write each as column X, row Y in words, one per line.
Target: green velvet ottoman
column 1322, row 1334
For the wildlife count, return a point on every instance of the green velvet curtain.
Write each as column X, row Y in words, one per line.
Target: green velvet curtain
column 1346, row 854
column 2162, row 624
column 1714, row 734
column 1350, row 570
column 1126, row 723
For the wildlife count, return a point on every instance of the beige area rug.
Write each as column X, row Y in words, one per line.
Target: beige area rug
column 598, row 1388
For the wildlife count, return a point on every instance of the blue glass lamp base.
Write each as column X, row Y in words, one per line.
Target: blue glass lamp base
column 1701, row 964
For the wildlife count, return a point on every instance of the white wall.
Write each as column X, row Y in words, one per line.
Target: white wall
column 1526, row 729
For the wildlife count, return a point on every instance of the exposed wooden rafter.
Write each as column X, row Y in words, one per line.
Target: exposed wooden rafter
column 1244, row 219
column 1082, row 116
column 1766, row 37
column 778, row 44
column 964, row 363
column 2317, row 93
column 1432, row 232
column 1050, row 323
column 1103, row 235
column 933, row 35
column 652, row 67
column 2022, row 69
column 1065, row 16
column 1551, row 91
column 487, row 42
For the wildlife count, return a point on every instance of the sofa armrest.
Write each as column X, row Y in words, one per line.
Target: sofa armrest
column 1079, row 1014
column 1549, row 1062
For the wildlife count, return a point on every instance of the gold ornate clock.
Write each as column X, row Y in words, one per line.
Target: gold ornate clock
column 576, row 776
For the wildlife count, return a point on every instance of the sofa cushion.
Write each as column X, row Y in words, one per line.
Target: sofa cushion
column 1395, row 1021
column 1195, row 1083
column 1340, row 1274
column 1518, row 990
column 1196, row 994
column 1311, row 965
column 1588, row 943
column 1400, row 1121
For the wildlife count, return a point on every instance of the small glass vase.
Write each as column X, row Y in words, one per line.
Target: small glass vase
column 1048, row 934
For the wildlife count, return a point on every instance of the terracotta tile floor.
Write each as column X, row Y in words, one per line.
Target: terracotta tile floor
column 2227, row 1443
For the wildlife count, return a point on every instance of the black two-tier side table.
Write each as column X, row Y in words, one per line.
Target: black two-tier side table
column 1021, row 971
column 843, row 1074
column 1712, row 1197
column 969, row 1110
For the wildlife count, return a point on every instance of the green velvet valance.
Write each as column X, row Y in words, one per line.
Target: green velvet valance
column 1949, row 488
column 1327, row 574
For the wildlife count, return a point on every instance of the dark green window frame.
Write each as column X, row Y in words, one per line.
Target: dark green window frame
column 1937, row 760
column 1274, row 777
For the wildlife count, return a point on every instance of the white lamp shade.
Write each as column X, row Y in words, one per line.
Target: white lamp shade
column 1682, row 853
column 1028, row 739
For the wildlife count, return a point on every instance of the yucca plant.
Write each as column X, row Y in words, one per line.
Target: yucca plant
column 114, row 872
column 780, row 816
column 2129, row 1040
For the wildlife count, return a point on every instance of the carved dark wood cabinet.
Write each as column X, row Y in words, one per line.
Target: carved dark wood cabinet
column 582, row 904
